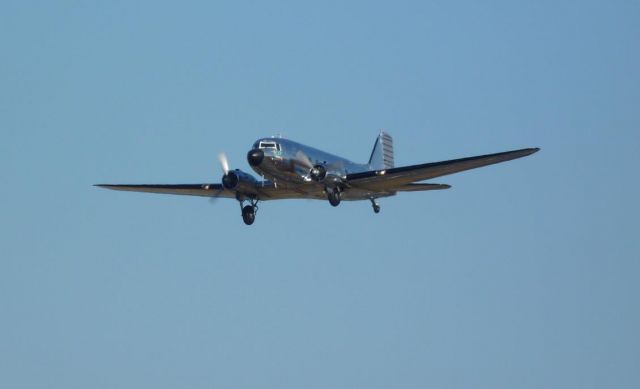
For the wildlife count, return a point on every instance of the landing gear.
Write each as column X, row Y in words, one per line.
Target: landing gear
column 333, row 194
column 376, row 206
column 248, row 214
column 249, row 211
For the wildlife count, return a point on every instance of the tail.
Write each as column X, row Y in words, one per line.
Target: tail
column 382, row 154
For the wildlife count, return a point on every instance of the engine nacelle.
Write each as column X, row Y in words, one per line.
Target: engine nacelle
column 239, row 181
column 318, row 173
column 331, row 178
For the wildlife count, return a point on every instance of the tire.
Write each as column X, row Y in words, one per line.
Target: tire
column 248, row 214
column 334, row 197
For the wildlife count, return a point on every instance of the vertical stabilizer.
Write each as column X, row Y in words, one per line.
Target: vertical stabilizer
column 382, row 154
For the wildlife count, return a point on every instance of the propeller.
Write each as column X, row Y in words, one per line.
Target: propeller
column 222, row 157
column 317, row 172
column 303, row 160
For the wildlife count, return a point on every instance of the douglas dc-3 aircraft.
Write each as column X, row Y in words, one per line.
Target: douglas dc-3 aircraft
column 290, row 170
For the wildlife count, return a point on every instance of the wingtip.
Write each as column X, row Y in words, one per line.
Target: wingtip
column 529, row 151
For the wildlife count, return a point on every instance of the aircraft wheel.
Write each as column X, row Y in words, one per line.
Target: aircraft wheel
column 334, row 197
column 248, row 214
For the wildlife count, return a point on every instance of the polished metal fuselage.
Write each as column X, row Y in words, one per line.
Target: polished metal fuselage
column 284, row 168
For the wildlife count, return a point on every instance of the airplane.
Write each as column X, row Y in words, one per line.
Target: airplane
column 291, row 170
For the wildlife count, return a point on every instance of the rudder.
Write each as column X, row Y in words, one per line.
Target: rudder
column 382, row 154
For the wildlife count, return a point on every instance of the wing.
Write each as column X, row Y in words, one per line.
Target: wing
column 269, row 191
column 205, row 190
column 398, row 178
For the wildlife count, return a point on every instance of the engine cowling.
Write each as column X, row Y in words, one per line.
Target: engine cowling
column 318, row 173
column 239, row 181
column 321, row 174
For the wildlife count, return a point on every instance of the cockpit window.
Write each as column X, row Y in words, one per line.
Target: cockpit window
column 269, row 146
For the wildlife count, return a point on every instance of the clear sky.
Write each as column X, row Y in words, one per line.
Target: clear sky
column 523, row 275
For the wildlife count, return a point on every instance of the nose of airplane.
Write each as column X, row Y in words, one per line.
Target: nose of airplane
column 255, row 157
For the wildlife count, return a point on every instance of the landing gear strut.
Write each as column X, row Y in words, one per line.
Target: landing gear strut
column 333, row 194
column 249, row 211
column 376, row 206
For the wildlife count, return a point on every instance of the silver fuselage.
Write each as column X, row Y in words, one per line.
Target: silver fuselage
column 282, row 165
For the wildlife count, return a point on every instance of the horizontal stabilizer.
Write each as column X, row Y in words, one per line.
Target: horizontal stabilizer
column 421, row 187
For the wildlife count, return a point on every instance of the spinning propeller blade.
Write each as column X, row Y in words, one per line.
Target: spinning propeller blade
column 303, row 160
column 222, row 157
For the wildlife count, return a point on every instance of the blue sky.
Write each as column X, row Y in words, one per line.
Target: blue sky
column 523, row 275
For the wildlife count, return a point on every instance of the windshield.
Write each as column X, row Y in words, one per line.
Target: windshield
column 269, row 145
